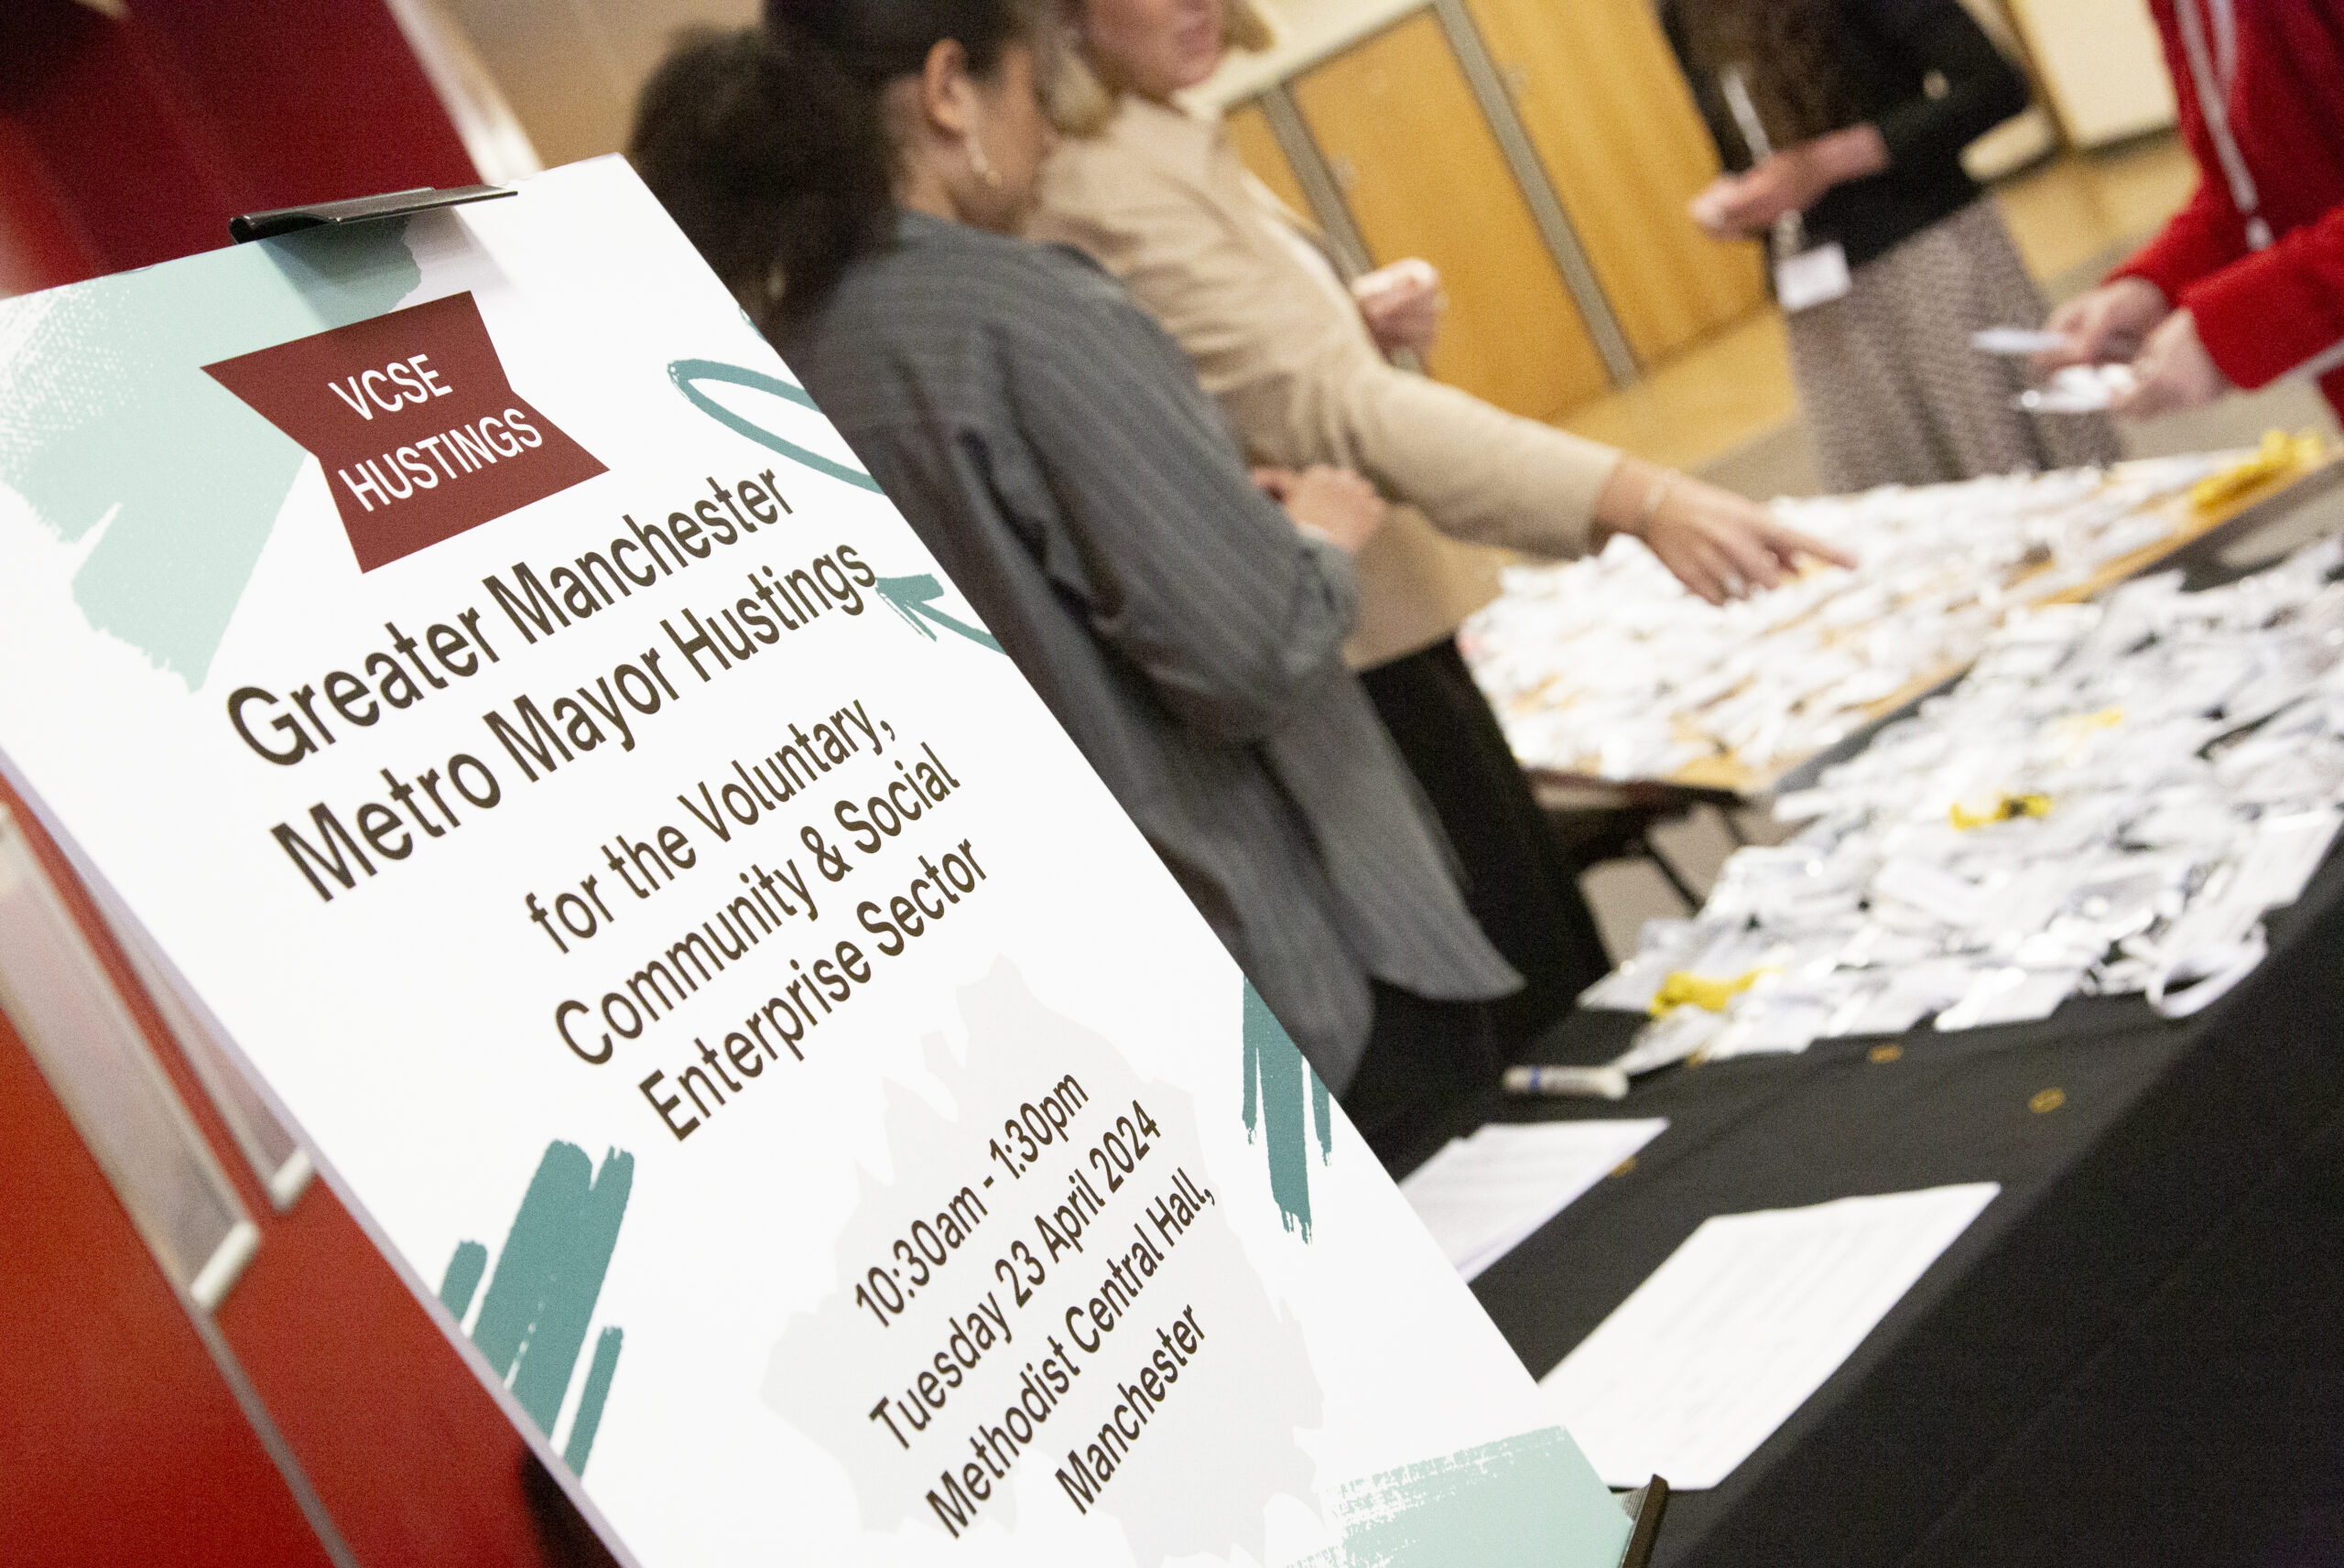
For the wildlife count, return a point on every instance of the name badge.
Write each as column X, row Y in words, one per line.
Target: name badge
column 1813, row 278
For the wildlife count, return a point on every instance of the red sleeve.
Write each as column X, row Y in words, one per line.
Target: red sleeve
column 2262, row 317
column 2204, row 236
column 2208, row 234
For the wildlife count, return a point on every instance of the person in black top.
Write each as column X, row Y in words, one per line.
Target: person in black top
column 1843, row 124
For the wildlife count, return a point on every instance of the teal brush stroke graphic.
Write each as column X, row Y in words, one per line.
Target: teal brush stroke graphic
column 1530, row 1501
column 105, row 413
column 589, row 1419
column 689, row 373
column 463, row 1277
column 1276, row 1092
column 912, row 598
column 532, row 1322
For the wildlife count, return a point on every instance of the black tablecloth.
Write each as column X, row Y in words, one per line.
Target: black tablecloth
column 2084, row 1303
column 2210, row 1433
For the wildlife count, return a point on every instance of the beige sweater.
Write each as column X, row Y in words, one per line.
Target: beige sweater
column 1161, row 201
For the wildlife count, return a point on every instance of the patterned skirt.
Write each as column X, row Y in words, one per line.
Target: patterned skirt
column 1891, row 388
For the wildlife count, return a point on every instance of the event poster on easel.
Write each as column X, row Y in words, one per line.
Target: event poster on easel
column 687, row 941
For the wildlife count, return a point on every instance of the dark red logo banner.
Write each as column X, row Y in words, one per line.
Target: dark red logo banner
column 420, row 435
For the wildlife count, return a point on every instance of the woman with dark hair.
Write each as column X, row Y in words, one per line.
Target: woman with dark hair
column 852, row 172
column 1845, row 121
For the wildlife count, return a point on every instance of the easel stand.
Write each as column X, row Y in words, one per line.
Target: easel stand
column 1644, row 1505
column 246, row 227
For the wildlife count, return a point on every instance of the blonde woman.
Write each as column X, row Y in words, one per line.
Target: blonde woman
column 1299, row 366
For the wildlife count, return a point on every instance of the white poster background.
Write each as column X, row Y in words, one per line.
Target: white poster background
column 406, row 1025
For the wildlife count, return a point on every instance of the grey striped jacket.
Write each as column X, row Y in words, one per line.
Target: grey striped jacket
column 1052, row 449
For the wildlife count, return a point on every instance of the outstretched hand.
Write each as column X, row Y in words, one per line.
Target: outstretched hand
column 2172, row 371
column 1744, row 206
column 1402, row 305
column 2107, row 326
column 1718, row 545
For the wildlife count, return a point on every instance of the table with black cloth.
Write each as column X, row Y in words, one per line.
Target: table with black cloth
column 2075, row 1351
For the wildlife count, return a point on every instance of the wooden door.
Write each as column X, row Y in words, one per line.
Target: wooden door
column 1257, row 147
column 1602, row 100
column 1422, row 175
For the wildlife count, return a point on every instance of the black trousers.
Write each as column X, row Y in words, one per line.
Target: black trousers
column 1518, row 883
column 1427, row 1065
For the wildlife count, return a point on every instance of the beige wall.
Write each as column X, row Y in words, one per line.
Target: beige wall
column 1308, row 30
column 570, row 69
column 2101, row 64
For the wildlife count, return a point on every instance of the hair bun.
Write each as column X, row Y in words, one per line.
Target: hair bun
column 767, row 146
column 878, row 40
column 815, row 19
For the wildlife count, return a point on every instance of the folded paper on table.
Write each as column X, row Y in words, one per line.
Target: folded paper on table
column 1741, row 1325
column 2108, row 804
column 1482, row 1196
column 1607, row 668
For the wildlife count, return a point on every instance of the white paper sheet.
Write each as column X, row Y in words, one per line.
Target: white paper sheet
column 2014, row 341
column 2079, row 389
column 1482, row 1196
column 1741, row 1325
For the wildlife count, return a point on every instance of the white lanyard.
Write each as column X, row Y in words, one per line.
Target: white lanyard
column 2213, row 70
column 1790, row 229
column 1804, row 277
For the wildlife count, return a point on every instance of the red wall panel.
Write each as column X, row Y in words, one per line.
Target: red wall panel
column 411, row 1455
column 415, row 1460
column 156, row 129
column 119, row 1441
column 307, row 100
column 40, row 244
column 124, row 143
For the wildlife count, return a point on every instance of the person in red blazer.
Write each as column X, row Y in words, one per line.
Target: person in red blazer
column 2246, row 283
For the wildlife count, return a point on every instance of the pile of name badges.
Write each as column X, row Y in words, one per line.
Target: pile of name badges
column 1607, row 668
column 2108, row 804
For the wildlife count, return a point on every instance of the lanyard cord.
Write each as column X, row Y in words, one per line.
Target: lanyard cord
column 2226, row 42
column 2214, row 72
column 1790, row 229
